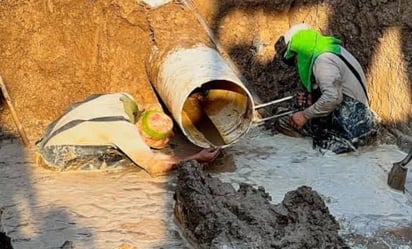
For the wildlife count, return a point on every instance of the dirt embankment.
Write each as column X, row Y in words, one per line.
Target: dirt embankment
column 56, row 53
column 214, row 215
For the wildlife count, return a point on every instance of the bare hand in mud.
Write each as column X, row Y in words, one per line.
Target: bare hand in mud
column 205, row 155
column 298, row 120
column 208, row 155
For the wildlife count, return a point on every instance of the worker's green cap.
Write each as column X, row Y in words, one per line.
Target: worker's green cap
column 156, row 124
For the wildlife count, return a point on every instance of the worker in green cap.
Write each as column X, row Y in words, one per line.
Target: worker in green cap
column 335, row 102
column 110, row 131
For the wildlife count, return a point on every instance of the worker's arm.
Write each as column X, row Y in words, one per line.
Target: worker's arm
column 329, row 79
column 205, row 155
column 127, row 138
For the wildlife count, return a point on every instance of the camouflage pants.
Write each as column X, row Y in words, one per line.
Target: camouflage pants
column 351, row 125
column 72, row 157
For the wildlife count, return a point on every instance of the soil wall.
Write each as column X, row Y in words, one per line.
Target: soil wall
column 54, row 53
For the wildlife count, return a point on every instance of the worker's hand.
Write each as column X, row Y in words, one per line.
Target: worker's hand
column 161, row 164
column 303, row 99
column 208, row 155
column 298, row 120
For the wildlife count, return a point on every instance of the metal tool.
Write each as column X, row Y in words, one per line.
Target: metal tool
column 277, row 115
column 398, row 172
column 19, row 126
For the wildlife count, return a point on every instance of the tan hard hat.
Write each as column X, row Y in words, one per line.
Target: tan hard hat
column 156, row 124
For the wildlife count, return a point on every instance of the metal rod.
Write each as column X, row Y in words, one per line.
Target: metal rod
column 276, row 116
column 19, row 126
column 274, row 102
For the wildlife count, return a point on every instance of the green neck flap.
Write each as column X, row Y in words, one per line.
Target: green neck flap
column 131, row 109
column 308, row 45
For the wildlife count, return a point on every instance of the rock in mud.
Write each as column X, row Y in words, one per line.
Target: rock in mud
column 212, row 214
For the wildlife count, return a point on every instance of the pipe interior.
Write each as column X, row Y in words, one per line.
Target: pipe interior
column 217, row 113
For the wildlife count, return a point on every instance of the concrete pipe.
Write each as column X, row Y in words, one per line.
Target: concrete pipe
column 206, row 98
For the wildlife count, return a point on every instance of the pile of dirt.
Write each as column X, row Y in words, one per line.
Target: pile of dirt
column 214, row 215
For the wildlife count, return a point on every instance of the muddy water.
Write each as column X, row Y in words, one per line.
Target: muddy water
column 206, row 126
column 116, row 209
column 201, row 122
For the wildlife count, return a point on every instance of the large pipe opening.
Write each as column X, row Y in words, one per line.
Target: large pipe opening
column 217, row 113
column 206, row 98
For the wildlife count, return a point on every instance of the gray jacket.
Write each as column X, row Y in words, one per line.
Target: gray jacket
column 334, row 78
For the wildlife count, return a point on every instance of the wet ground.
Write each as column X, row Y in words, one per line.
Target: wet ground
column 129, row 209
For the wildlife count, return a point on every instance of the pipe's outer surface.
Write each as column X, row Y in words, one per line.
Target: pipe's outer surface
column 182, row 71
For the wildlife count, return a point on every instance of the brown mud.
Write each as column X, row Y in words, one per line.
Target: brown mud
column 56, row 53
column 214, row 215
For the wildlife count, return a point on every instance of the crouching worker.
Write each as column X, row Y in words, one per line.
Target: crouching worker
column 109, row 131
column 336, row 111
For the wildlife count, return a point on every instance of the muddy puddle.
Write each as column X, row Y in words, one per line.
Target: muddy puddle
column 129, row 209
